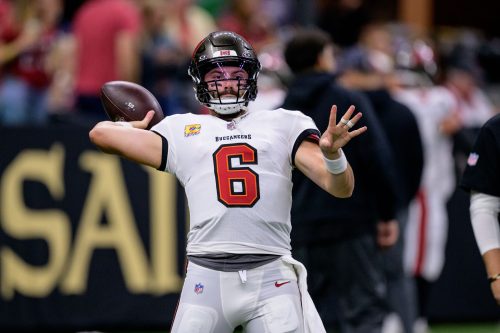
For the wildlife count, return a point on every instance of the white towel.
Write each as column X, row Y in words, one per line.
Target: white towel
column 312, row 320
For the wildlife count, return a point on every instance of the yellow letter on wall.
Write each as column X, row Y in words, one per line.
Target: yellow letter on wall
column 107, row 195
column 164, row 254
column 20, row 222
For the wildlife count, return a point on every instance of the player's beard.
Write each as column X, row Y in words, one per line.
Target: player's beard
column 228, row 102
column 227, row 96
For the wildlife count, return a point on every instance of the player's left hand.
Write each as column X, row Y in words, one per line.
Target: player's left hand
column 337, row 135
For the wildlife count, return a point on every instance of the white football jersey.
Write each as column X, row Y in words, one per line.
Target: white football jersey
column 427, row 227
column 237, row 177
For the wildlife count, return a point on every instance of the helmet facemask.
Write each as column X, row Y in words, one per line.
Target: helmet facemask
column 228, row 87
column 231, row 102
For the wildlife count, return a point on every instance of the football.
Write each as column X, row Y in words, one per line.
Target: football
column 128, row 101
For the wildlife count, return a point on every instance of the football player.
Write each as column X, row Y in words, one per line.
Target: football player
column 236, row 167
column 482, row 178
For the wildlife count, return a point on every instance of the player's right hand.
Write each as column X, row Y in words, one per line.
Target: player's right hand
column 143, row 124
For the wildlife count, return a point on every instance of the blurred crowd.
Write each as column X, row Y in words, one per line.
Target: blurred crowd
column 52, row 67
column 52, row 64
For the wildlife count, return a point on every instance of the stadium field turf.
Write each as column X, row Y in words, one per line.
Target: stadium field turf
column 435, row 328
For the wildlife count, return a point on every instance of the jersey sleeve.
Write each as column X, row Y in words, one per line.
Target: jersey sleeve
column 482, row 173
column 301, row 128
column 164, row 130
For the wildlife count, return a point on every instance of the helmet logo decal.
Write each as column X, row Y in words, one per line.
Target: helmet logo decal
column 225, row 53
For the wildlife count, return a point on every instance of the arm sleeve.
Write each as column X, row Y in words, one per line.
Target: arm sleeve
column 312, row 135
column 301, row 128
column 164, row 152
column 168, row 156
column 484, row 211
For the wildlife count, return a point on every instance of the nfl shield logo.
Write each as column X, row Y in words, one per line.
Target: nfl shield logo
column 198, row 288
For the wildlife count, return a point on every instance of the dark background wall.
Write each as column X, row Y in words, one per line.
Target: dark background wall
column 109, row 300
column 482, row 15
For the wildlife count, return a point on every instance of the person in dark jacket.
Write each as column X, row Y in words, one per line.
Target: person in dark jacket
column 341, row 241
column 401, row 127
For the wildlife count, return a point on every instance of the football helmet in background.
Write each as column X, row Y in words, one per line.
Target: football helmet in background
column 224, row 49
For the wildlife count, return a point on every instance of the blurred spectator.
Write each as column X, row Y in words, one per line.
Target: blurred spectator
column 107, row 37
column 186, row 23
column 407, row 67
column 256, row 20
column 26, row 75
column 61, row 63
column 341, row 240
column 435, row 109
column 367, row 67
column 247, row 18
column 342, row 20
column 373, row 52
column 463, row 78
column 281, row 12
column 161, row 58
column 271, row 92
column 8, row 31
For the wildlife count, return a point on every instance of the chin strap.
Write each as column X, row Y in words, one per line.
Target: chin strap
column 228, row 108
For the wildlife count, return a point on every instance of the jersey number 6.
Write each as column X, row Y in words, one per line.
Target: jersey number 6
column 237, row 185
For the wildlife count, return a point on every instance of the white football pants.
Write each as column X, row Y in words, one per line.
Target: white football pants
column 265, row 299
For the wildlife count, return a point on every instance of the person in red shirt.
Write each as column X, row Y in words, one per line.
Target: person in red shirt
column 107, row 37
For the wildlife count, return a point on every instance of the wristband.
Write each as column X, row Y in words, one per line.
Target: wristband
column 124, row 124
column 338, row 165
column 494, row 278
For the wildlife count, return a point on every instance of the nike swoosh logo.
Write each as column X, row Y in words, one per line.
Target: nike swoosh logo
column 278, row 284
